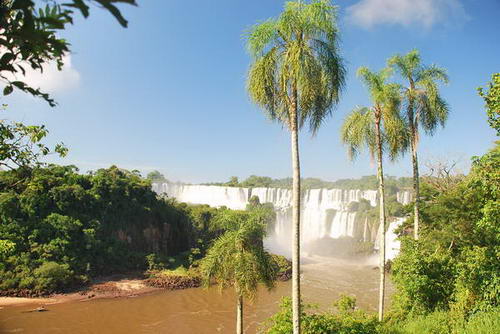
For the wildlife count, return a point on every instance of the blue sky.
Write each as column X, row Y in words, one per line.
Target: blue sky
column 168, row 93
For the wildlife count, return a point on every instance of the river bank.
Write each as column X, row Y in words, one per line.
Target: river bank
column 109, row 287
column 119, row 286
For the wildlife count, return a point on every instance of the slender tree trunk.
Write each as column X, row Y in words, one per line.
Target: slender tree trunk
column 295, row 216
column 416, row 185
column 239, row 316
column 416, row 182
column 380, row 173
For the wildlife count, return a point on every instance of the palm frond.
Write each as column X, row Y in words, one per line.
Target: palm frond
column 431, row 109
column 237, row 258
column 358, row 132
column 432, row 72
column 424, row 105
column 260, row 36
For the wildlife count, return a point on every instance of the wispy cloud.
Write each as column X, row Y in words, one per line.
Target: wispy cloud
column 427, row 13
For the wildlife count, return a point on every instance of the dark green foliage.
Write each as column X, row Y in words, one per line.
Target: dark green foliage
column 61, row 223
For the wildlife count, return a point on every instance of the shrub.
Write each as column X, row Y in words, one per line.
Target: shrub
column 434, row 323
column 345, row 322
column 52, row 276
column 154, row 262
column 478, row 281
column 483, row 323
column 424, row 278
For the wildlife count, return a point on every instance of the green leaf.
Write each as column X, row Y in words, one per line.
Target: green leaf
column 79, row 4
column 7, row 90
column 114, row 11
column 7, row 58
column 22, row 4
column 19, row 84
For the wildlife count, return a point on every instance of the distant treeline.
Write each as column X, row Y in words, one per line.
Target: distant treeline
column 392, row 183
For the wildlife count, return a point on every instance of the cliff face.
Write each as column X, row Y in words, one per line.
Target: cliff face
column 167, row 237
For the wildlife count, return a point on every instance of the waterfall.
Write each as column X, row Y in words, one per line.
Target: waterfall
column 404, row 197
column 233, row 198
column 324, row 212
column 392, row 244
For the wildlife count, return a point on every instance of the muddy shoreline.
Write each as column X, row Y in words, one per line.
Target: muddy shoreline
column 116, row 286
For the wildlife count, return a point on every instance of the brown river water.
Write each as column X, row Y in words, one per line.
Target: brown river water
column 197, row 311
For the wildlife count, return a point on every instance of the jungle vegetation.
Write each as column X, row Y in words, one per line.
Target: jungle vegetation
column 60, row 228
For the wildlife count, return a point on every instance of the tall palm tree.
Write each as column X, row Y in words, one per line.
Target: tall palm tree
column 296, row 77
column 237, row 259
column 424, row 108
column 378, row 128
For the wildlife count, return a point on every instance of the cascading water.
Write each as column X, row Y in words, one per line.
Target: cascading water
column 392, row 244
column 324, row 212
column 404, row 197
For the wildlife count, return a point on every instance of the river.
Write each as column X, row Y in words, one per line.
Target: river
column 197, row 310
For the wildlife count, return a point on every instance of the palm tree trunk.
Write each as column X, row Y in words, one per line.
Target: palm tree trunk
column 295, row 215
column 380, row 173
column 239, row 316
column 413, row 142
column 416, row 185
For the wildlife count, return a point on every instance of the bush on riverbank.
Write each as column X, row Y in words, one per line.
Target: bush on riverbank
column 346, row 320
column 179, row 278
column 283, row 267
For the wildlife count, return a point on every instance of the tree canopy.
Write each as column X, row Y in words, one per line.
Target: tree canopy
column 237, row 259
column 297, row 54
column 359, row 131
column 492, row 99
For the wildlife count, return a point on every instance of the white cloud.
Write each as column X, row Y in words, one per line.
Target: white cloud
column 427, row 13
column 51, row 80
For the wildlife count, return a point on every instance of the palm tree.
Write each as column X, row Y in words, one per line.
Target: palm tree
column 237, row 259
column 424, row 107
column 379, row 128
column 296, row 77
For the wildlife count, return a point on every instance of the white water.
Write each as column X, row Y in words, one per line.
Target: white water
column 325, row 212
column 404, row 197
column 392, row 244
